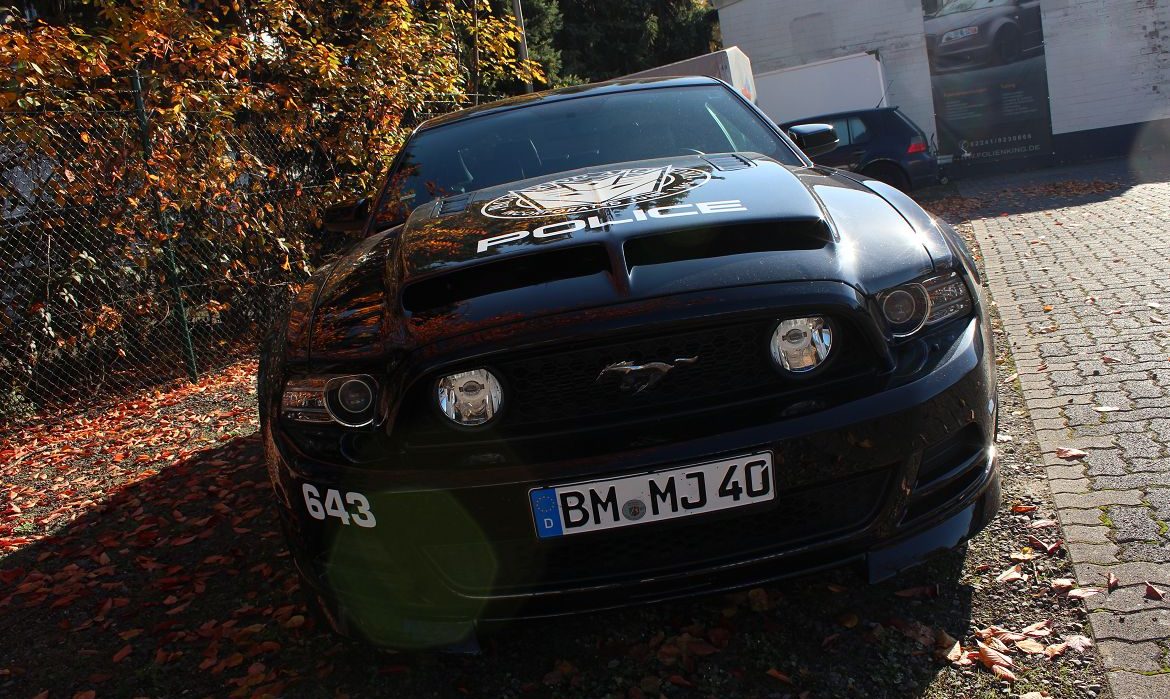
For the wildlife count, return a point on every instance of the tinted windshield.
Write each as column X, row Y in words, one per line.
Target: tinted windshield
column 966, row 5
column 544, row 139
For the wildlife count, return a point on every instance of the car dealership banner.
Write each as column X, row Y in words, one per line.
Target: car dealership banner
column 989, row 78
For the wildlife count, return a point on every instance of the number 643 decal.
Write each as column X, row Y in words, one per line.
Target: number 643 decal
column 331, row 506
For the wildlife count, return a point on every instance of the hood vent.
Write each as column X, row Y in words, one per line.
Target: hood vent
column 728, row 161
column 507, row 274
column 702, row 243
column 455, row 204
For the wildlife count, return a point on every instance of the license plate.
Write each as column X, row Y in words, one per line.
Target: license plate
column 652, row 497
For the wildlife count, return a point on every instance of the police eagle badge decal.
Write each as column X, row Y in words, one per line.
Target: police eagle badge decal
column 595, row 190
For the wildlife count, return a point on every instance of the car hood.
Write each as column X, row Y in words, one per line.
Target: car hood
column 937, row 26
column 619, row 234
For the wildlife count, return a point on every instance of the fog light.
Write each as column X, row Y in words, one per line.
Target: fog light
column 801, row 344
column 470, row 398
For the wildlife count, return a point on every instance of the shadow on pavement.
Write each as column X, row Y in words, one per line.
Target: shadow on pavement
column 1015, row 191
column 180, row 584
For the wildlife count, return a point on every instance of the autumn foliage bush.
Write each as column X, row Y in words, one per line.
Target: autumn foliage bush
column 253, row 115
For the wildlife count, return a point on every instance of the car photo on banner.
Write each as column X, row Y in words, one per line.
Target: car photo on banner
column 616, row 344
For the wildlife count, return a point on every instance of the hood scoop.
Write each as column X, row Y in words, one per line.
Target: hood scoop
column 506, row 274
column 454, row 205
column 722, row 241
column 728, row 161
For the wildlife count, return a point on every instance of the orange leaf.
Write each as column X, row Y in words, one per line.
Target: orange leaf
column 1011, row 574
column 991, row 657
column 122, row 654
column 776, row 674
column 1070, row 453
column 1153, row 592
column 1030, row 645
column 1038, row 630
column 233, row 660
column 928, row 591
column 679, row 681
column 1023, row 508
column 1083, row 592
column 1003, row 673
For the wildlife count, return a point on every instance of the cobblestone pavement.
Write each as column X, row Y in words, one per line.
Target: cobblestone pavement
column 1083, row 288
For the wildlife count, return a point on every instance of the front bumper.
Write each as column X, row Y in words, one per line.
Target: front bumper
column 966, row 54
column 884, row 481
column 922, row 169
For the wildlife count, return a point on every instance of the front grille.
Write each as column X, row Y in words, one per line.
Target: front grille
column 557, row 391
column 795, row 518
column 731, row 363
column 566, row 385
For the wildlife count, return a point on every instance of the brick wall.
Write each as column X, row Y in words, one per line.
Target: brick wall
column 785, row 33
column 1108, row 62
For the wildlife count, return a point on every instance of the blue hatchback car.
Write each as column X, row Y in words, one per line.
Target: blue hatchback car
column 879, row 143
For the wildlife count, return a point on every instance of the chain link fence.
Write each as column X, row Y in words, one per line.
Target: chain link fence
column 104, row 286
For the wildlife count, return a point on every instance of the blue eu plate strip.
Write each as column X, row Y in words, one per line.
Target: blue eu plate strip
column 546, row 513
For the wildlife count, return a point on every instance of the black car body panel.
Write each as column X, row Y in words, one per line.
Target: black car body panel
column 410, row 530
column 821, row 226
column 878, row 143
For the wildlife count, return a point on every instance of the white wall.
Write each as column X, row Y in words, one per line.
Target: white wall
column 1108, row 62
column 785, row 33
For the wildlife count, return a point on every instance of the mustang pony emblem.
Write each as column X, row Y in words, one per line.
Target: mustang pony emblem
column 640, row 377
column 595, row 190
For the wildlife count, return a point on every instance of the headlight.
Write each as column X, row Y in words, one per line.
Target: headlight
column 469, row 398
column 949, row 298
column 348, row 400
column 910, row 307
column 905, row 308
column 799, row 345
column 956, row 34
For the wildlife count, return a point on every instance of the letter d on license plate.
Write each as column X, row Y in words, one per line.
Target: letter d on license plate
column 650, row 497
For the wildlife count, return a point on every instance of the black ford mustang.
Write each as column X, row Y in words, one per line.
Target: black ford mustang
column 630, row 344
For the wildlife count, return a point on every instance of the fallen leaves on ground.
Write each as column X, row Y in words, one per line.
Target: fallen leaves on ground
column 1046, row 547
column 921, row 591
column 1154, row 593
column 1012, row 574
column 1070, row 453
column 1083, row 592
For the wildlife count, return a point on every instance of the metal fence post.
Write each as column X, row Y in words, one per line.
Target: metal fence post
column 169, row 248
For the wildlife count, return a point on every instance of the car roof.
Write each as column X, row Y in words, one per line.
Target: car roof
column 567, row 93
column 838, row 115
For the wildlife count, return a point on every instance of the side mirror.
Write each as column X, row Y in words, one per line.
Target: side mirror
column 349, row 217
column 814, row 139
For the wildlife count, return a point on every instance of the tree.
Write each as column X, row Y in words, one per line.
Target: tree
column 603, row 39
column 257, row 112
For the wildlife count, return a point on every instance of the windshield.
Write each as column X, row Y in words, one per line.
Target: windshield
column 953, row 6
column 545, row 139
